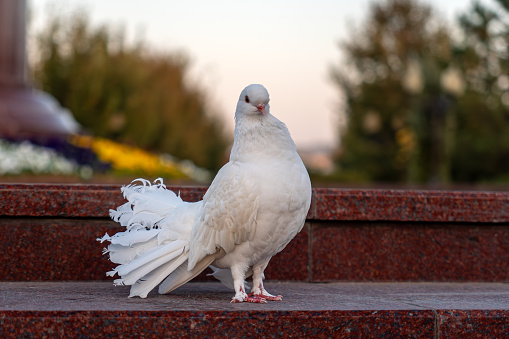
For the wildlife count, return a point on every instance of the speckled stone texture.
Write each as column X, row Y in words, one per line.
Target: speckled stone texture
column 408, row 205
column 41, row 200
column 53, row 249
column 327, row 204
column 48, row 232
column 346, row 310
column 410, row 252
column 473, row 323
column 66, row 249
column 217, row 324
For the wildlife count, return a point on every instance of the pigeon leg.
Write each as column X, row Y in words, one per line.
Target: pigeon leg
column 258, row 291
column 239, row 275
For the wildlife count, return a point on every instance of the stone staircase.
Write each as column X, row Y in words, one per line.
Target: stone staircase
column 369, row 263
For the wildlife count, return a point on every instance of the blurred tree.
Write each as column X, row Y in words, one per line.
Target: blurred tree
column 422, row 107
column 127, row 92
column 393, row 97
column 482, row 150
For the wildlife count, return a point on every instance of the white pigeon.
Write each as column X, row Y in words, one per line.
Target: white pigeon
column 255, row 206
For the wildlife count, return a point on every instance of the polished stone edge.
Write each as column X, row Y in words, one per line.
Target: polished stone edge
column 91, row 201
column 343, row 310
column 410, row 205
column 236, row 324
column 318, row 324
column 54, row 200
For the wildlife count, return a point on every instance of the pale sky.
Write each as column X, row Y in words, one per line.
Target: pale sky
column 288, row 46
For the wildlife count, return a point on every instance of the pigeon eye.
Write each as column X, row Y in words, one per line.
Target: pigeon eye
column 246, row 99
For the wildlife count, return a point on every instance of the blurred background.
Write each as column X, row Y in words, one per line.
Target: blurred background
column 389, row 93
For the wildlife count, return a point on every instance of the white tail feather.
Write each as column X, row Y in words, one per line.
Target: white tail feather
column 141, row 273
column 146, row 204
column 143, row 286
column 181, row 275
column 156, row 241
column 121, row 254
column 130, row 238
column 173, row 248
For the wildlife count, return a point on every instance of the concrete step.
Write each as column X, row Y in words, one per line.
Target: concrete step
column 341, row 310
column 48, row 232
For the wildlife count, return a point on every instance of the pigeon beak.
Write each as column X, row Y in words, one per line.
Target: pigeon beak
column 261, row 108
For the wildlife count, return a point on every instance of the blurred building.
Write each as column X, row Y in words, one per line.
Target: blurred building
column 318, row 158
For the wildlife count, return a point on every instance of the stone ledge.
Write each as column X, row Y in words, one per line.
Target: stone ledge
column 48, row 232
column 410, row 205
column 52, row 200
column 55, row 249
column 97, row 309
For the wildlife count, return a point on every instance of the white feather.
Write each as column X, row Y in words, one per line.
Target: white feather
column 170, row 251
column 143, row 286
column 181, row 275
column 253, row 208
column 139, row 274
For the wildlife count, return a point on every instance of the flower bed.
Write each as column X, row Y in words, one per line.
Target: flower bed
column 86, row 156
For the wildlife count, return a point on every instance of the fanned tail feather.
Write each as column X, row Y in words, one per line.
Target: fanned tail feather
column 146, row 205
column 140, row 273
column 169, row 251
column 182, row 275
column 143, row 286
column 156, row 241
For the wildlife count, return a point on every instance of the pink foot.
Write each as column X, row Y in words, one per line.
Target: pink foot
column 249, row 299
column 273, row 297
column 267, row 296
column 262, row 293
column 241, row 296
column 256, row 299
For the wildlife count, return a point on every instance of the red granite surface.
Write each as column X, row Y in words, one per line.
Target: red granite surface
column 409, row 205
column 66, row 249
column 410, row 252
column 327, row 204
column 54, row 200
column 217, row 324
column 48, row 232
column 53, row 249
column 473, row 323
column 345, row 310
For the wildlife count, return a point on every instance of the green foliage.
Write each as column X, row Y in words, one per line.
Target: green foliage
column 382, row 141
column 421, row 106
column 127, row 92
column 483, row 114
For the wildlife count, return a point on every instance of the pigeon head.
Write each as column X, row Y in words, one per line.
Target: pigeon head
column 254, row 99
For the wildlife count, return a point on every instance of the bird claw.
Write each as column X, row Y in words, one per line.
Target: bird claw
column 256, row 299
column 266, row 296
column 273, row 297
column 249, row 299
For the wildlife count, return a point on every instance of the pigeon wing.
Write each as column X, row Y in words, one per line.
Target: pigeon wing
column 228, row 214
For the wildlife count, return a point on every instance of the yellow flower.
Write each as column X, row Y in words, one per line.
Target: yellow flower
column 128, row 159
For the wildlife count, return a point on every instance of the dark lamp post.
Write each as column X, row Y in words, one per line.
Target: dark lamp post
column 24, row 111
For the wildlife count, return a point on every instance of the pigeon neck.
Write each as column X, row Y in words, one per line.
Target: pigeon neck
column 264, row 138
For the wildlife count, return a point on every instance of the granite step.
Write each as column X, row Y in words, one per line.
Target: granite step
column 368, row 263
column 202, row 309
column 48, row 232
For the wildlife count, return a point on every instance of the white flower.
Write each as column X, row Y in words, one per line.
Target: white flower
column 24, row 157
